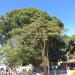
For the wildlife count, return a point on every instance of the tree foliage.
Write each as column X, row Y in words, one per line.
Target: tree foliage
column 30, row 33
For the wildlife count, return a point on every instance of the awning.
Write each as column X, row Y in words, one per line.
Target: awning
column 70, row 61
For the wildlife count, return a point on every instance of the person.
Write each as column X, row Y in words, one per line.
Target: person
column 10, row 71
column 42, row 71
column 29, row 72
column 34, row 72
column 25, row 72
column 1, row 71
column 38, row 73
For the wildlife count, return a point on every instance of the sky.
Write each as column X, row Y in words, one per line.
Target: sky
column 63, row 9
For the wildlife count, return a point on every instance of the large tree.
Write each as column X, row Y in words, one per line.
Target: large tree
column 31, row 34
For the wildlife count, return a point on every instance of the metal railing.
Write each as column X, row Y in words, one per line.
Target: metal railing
column 61, row 72
column 58, row 72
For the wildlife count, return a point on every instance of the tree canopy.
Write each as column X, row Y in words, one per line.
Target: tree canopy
column 30, row 33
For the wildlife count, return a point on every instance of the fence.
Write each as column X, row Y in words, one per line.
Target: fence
column 63, row 72
column 58, row 72
column 14, row 73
